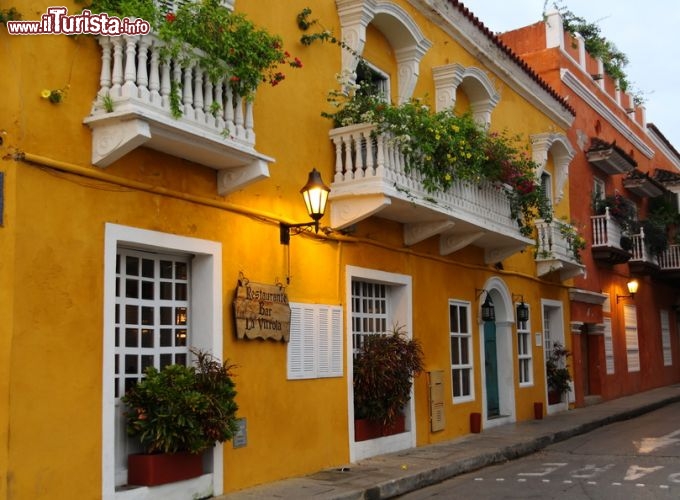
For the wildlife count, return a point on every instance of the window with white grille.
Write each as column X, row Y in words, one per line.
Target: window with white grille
column 370, row 311
column 315, row 342
column 666, row 339
column 461, row 351
column 162, row 296
column 151, row 315
column 608, row 346
column 632, row 346
column 524, row 353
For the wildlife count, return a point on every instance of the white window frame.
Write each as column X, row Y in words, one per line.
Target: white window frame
column 400, row 314
column 632, row 341
column 610, row 364
column 315, row 341
column 206, row 325
column 384, row 86
column 458, row 336
column 666, row 338
column 524, row 338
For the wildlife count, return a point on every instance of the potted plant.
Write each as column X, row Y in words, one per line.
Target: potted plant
column 176, row 414
column 557, row 373
column 383, row 376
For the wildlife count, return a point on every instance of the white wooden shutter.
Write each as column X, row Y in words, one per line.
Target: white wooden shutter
column 608, row 346
column 666, row 339
column 315, row 342
column 632, row 346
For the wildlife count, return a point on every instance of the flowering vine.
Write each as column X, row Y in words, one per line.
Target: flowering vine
column 444, row 147
column 229, row 42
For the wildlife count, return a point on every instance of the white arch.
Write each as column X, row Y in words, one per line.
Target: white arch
column 505, row 321
column 474, row 82
column 562, row 152
column 399, row 28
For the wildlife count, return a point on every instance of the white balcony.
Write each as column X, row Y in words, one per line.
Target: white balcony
column 132, row 109
column 554, row 250
column 607, row 239
column 669, row 259
column 642, row 261
column 371, row 178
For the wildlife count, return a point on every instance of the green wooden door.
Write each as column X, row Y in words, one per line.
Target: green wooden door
column 491, row 369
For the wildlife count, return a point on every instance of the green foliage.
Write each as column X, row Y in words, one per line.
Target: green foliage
column 232, row 46
column 445, row 147
column 613, row 59
column 621, row 209
column 183, row 408
column 556, row 369
column 383, row 375
column 575, row 242
column 656, row 238
column 11, row 14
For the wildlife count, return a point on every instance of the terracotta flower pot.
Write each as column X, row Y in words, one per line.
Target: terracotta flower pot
column 160, row 468
column 365, row 429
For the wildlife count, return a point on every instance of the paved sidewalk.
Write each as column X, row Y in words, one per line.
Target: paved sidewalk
column 386, row 476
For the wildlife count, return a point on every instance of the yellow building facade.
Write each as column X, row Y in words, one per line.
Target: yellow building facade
column 99, row 206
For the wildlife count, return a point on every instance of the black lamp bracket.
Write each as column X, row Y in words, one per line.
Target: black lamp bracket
column 284, row 230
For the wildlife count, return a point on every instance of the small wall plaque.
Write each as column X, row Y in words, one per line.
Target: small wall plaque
column 241, row 437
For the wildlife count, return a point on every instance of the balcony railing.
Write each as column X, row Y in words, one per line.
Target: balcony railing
column 669, row 259
column 371, row 177
column 642, row 260
column 554, row 250
column 133, row 108
column 607, row 237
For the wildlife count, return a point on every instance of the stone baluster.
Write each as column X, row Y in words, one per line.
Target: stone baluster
column 250, row 122
column 198, row 95
column 117, row 74
column 154, row 77
column 229, row 112
column 129, row 88
column 187, row 93
column 142, row 75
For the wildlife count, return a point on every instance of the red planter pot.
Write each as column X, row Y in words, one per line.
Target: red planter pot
column 370, row 429
column 554, row 397
column 162, row 468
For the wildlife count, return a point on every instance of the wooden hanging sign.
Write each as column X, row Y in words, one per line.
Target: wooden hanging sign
column 261, row 311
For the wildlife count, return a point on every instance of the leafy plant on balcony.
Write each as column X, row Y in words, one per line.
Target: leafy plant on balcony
column 575, row 242
column 445, row 147
column 230, row 44
column 621, row 209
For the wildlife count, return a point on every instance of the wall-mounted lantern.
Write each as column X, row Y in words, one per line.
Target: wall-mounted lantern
column 315, row 194
column 488, row 310
column 522, row 309
column 632, row 286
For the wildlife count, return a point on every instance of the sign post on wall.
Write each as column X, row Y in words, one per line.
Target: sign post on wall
column 262, row 311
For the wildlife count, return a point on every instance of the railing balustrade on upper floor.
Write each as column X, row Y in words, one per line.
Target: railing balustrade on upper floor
column 555, row 249
column 141, row 85
column 607, row 239
column 669, row 259
column 135, row 71
column 371, row 176
column 640, row 251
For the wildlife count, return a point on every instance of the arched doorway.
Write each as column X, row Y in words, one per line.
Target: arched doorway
column 496, row 352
